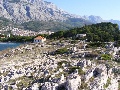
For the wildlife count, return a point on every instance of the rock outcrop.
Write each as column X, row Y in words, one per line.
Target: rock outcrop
column 26, row 10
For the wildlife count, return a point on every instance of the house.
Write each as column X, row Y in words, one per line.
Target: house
column 8, row 35
column 39, row 39
column 2, row 37
column 80, row 35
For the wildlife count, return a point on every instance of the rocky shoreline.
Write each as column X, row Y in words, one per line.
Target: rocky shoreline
column 33, row 67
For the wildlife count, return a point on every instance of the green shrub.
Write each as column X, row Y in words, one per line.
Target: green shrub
column 61, row 51
column 72, row 69
column 61, row 62
column 91, row 79
column 108, row 83
column 84, row 86
column 106, row 57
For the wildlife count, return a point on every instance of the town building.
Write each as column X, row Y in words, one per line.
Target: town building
column 80, row 35
column 39, row 39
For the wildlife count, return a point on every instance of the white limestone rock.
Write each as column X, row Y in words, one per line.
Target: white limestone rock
column 26, row 10
column 35, row 86
column 73, row 82
column 49, row 86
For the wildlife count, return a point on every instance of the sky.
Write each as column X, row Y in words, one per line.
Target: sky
column 107, row 9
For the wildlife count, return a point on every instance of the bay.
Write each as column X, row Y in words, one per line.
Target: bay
column 4, row 46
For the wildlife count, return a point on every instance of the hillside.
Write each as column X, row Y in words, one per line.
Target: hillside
column 103, row 32
column 4, row 22
column 54, row 25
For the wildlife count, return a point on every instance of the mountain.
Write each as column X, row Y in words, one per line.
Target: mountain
column 30, row 13
column 93, row 19
column 48, row 15
column 98, row 19
column 27, row 10
column 115, row 21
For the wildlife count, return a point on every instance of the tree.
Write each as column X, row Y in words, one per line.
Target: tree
column 103, row 32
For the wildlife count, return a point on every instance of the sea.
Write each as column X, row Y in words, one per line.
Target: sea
column 7, row 45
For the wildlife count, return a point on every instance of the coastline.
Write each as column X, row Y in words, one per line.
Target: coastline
column 25, row 65
column 6, row 45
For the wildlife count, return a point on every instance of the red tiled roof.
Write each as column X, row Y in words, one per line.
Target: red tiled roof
column 39, row 38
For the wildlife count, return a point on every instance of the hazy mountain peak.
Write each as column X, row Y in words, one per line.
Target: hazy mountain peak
column 94, row 19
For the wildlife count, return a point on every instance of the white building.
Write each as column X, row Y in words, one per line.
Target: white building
column 8, row 35
column 39, row 39
column 81, row 35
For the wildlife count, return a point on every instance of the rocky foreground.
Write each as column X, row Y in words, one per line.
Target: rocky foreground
column 36, row 67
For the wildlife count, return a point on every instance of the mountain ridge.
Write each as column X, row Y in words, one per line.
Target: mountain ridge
column 21, row 11
column 27, row 10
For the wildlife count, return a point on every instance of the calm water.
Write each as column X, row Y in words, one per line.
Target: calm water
column 4, row 46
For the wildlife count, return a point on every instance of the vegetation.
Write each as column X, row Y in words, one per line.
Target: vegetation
column 24, row 82
column 4, row 22
column 83, row 86
column 96, row 44
column 18, row 39
column 74, row 42
column 54, row 25
column 106, row 57
column 117, row 43
column 43, row 25
column 91, row 79
column 102, row 32
column 60, row 63
column 72, row 69
column 14, row 38
column 61, row 51
column 108, row 83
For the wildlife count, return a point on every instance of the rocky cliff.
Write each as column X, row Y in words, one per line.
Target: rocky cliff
column 27, row 10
